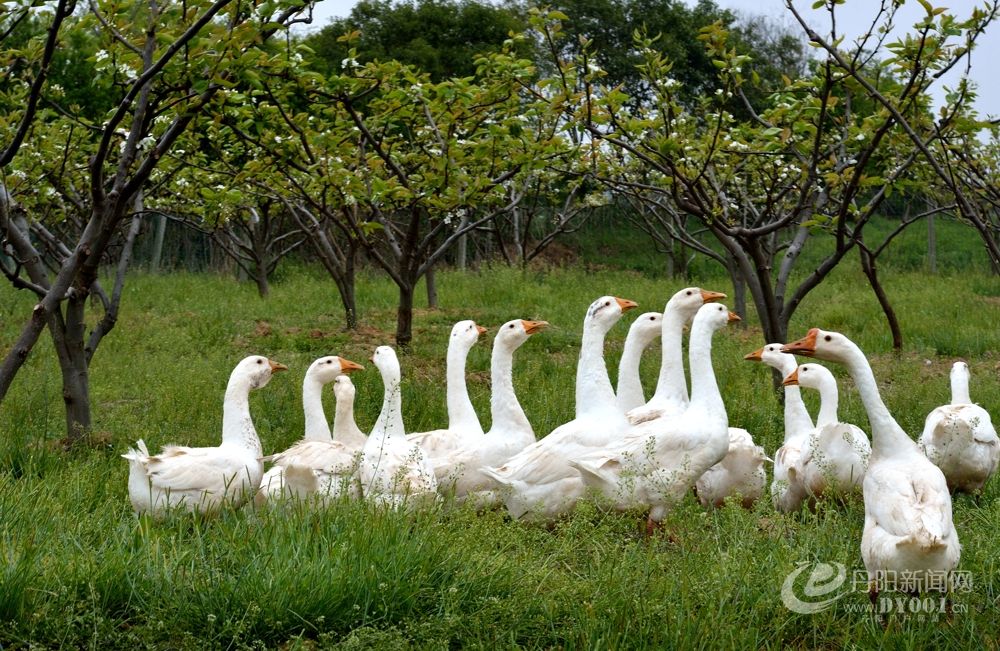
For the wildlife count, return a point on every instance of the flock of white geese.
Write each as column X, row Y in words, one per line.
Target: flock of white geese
column 636, row 454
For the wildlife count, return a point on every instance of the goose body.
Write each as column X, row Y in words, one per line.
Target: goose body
column 205, row 479
column 788, row 487
column 644, row 330
column 908, row 529
column 740, row 473
column 322, row 463
column 836, row 454
column 960, row 438
column 394, row 471
column 460, row 471
column 463, row 423
column 653, row 470
column 539, row 482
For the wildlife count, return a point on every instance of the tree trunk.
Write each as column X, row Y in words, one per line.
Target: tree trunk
column 461, row 252
column 739, row 288
column 161, row 231
column 71, row 352
column 432, row 292
column 404, row 317
column 931, row 245
column 871, row 271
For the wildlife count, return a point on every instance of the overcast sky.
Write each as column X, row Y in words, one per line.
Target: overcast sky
column 853, row 19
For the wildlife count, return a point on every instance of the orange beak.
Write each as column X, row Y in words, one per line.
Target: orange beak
column 792, row 379
column 626, row 304
column 531, row 327
column 346, row 366
column 805, row 346
column 276, row 366
column 480, row 329
column 755, row 356
column 733, row 316
column 711, row 297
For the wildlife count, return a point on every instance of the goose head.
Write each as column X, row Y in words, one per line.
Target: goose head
column 646, row 328
column 343, row 389
column 605, row 312
column 808, row 375
column 822, row 344
column 716, row 315
column 772, row 356
column 326, row 369
column 256, row 371
column 466, row 333
column 514, row 333
column 689, row 300
column 385, row 360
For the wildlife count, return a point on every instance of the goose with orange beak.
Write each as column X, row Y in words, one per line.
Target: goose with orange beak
column 206, row 479
column 788, row 490
column 320, row 463
column 908, row 529
column 459, row 473
column 836, row 454
column 463, row 423
column 539, row 483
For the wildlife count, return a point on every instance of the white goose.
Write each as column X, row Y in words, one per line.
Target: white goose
column 322, row 461
column 655, row 470
column 394, row 471
column 460, row 471
column 960, row 439
column 463, row 423
column 539, row 482
column 671, row 395
column 788, row 489
column 645, row 329
column 837, row 453
column 206, row 479
column 908, row 524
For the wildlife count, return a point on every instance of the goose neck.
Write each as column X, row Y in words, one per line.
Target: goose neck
column 237, row 426
column 593, row 386
column 460, row 410
column 704, row 387
column 505, row 409
column 671, row 384
column 828, row 402
column 960, row 389
column 390, row 419
column 316, row 427
column 344, row 427
column 888, row 437
column 630, row 392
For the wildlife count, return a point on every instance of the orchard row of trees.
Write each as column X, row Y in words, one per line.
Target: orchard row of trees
column 717, row 136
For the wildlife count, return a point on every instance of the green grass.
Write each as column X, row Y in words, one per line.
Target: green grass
column 79, row 570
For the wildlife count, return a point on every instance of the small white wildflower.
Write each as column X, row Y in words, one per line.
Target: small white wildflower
column 101, row 55
column 719, row 91
column 859, row 137
column 350, row 62
column 147, row 142
column 277, row 139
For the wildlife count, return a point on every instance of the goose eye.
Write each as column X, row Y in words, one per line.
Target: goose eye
column 828, row 338
column 689, row 292
column 329, row 361
column 652, row 318
column 607, row 303
column 511, row 325
column 260, row 361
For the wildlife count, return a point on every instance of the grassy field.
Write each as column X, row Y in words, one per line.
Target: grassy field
column 80, row 571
